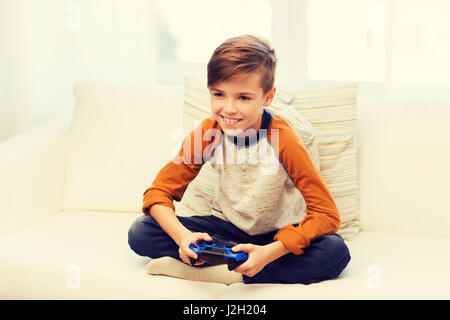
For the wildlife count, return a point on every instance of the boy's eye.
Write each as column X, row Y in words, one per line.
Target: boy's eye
column 219, row 94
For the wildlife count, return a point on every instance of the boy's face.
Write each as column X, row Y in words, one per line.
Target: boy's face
column 238, row 104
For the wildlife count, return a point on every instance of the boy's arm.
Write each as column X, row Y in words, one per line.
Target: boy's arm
column 169, row 222
column 182, row 236
column 322, row 215
column 275, row 250
column 173, row 179
column 169, row 185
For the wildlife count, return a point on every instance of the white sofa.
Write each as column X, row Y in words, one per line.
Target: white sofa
column 64, row 221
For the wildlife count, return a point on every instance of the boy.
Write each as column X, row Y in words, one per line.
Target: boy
column 258, row 202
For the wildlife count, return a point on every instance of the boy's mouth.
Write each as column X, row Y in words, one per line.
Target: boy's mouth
column 230, row 122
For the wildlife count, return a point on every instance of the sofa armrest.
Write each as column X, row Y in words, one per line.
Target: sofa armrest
column 32, row 174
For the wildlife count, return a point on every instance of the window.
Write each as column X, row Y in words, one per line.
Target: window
column 421, row 42
column 396, row 48
column 189, row 31
column 346, row 40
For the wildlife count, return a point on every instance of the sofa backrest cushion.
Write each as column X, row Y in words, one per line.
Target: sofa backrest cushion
column 121, row 136
column 404, row 165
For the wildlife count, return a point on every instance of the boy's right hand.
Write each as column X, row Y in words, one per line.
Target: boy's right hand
column 184, row 250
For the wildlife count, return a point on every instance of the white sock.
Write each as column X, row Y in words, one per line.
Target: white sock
column 175, row 268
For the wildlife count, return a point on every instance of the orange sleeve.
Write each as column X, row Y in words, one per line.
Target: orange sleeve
column 173, row 179
column 322, row 215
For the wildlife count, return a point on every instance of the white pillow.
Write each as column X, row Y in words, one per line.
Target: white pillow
column 121, row 136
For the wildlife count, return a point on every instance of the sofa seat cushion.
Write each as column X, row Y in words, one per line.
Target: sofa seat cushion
column 383, row 266
column 46, row 260
column 43, row 262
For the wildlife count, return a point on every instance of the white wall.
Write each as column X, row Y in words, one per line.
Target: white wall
column 44, row 51
column 46, row 47
column 13, row 102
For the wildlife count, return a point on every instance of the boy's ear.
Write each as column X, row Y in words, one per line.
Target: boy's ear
column 270, row 96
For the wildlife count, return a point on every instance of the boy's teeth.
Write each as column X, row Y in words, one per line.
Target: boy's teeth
column 230, row 120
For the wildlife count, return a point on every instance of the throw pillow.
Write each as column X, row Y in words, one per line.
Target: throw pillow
column 332, row 110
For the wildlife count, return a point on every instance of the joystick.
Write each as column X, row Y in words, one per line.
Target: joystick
column 217, row 252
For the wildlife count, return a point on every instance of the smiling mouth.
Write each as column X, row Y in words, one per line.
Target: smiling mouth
column 230, row 121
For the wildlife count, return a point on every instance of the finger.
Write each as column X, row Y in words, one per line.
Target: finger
column 241, row 268
column 192, row 261
column 185, row 258
column 241, row 247
column 192, row 254
column 199, row 262
column 238, row 269
column 205, row 236
column 189, row 252
column 186, row 254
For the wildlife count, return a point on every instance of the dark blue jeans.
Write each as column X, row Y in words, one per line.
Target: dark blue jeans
column 325, row 258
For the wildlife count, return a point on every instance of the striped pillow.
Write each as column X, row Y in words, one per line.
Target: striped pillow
column 200, row 193
column 331, row 109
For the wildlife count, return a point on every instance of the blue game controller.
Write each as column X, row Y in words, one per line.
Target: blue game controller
column 217, row 252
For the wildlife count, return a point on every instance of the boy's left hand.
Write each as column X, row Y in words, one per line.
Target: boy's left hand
column 257, row 258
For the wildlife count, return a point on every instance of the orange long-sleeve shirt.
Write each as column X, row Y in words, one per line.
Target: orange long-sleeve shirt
column 266, row 182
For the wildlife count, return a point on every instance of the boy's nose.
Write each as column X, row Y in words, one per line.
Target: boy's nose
column 229, row 108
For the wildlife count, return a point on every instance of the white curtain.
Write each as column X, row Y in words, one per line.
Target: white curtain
column 46, row 46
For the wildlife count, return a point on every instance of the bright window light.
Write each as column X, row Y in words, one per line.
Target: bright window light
column 421, row 40
column 189, row 31
column 346, row 40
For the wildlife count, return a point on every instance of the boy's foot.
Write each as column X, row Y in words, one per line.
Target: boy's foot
column 175, row 268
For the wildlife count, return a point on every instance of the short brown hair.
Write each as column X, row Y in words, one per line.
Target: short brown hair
column 238, row 56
